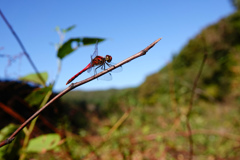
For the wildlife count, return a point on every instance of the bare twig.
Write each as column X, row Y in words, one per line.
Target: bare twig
column 74, row 85
column 22, row 46
column 191, row 106
column 11, row 112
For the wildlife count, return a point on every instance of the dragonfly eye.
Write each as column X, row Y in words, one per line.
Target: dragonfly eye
column 108, row 58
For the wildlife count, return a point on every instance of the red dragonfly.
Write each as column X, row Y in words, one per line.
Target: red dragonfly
column 98, row 62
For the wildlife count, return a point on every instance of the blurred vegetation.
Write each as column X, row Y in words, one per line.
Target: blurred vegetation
column 220, row 76
column 156, row 124
column 149, row 122
column 236, row 4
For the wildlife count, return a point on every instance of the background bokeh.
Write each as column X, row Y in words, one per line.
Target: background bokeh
column 128, row 26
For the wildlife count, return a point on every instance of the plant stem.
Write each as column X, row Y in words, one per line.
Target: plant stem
column 31, row 127
column 22, row 46
column 191, row 106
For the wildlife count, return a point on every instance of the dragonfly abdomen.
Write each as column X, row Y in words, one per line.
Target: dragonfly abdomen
column 76, row 75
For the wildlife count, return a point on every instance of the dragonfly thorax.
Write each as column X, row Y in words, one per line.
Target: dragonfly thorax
column 97, row 62
column 108, row 58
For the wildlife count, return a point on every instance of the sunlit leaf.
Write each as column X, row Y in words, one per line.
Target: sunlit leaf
column 35, row 79
column 88, row 41
column 44, row 143
column 66, row 48
column 36, row 97
column 69, row 28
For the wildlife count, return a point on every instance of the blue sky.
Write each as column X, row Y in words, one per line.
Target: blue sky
column 128, row 26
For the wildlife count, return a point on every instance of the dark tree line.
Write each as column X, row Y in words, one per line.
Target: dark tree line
column 236, row 4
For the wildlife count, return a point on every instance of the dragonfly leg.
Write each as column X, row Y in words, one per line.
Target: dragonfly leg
column 103, row 67
column 109, row 65
column 95, row 71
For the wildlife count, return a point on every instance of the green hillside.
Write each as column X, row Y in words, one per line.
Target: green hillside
column 219, row 81
column 220, row 78
column 157, row 110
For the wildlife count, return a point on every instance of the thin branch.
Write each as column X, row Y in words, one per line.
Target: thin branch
column 22, row 46
column 141, row 53
column 74, row 85
column 11, row 112
column 191, row 106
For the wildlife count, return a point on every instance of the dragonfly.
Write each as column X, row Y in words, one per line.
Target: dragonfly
column 97, row 64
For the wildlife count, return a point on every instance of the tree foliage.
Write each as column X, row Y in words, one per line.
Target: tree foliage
column 236, row 4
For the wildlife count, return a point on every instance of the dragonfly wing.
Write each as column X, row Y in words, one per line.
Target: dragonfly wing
column 90, row 68
column 106, row 77
column 117, row 70
column 95, row 53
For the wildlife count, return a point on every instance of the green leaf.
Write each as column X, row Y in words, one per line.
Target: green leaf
column 10, row 151
column 66, row 48
column 36, row 97
column 7, row 131
column 35, row 79
column 88, row 41
column 44, row 143
column 69, row 28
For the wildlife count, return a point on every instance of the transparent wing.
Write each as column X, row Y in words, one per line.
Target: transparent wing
column 89, row 69
column 106, row 77
column 117, row 70
column 95, row 53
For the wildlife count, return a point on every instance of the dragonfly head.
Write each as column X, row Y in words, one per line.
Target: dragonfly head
column 108, row 58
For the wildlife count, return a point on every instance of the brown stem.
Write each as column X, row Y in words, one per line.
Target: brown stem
column 22, row 46
column 11, row 112
column 74, row 85
column 191, row 106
